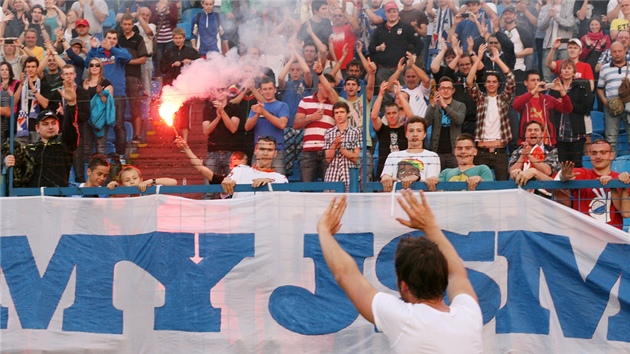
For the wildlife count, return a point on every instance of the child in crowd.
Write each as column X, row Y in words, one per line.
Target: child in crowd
column 131, row 176
column 97, row 172
column 237, row 158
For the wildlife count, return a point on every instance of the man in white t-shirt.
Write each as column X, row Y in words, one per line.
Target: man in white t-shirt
column 415, row 163
column 258, row 175
column 417, row 84
column 417, row 321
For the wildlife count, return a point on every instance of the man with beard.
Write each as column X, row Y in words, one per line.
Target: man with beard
column 466, row 170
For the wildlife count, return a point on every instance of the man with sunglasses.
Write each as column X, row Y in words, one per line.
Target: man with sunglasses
column 269, row 118
column 258, row 175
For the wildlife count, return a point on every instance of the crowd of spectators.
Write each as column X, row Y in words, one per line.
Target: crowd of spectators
column 408, row 81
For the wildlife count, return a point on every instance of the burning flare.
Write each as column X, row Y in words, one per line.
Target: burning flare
column 167, row 112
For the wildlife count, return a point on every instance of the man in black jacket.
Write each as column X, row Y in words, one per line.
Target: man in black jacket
column 390, row 41
column 52, row 155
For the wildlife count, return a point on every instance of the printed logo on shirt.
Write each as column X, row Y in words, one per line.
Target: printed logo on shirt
column 599, row 208
column 409, row 167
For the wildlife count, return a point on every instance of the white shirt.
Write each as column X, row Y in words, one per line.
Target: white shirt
column 429, row 161
column 417, row 98
column 420, row 328
column 244, row 174
column 492, row 123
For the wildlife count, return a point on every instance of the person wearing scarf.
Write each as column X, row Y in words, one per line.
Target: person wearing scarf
column 594, row 43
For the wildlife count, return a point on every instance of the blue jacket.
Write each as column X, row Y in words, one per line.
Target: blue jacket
column 208, row 26
column 113, row 65
column 102, row 114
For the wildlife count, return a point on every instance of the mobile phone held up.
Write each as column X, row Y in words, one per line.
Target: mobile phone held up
column 465, row 15
column 564, row 40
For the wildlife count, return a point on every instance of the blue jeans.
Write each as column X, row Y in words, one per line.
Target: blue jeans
column 313, row 165
column 119, row 127
column 219, row 161
column 277, row 164
column 612, row 125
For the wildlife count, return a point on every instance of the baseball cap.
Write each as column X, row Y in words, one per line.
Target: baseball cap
column 82, row 22
column 45, row 114
column 576, row 41
column 76, row 41
column 473, row 2
column 391, row 5
column 510, row 8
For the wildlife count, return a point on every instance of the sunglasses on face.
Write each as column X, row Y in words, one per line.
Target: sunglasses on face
column 94, row 65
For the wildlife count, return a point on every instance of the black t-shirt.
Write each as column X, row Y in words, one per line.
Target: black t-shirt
column 384, row 138
column 92, row 89
column 221, row 139
column 54, row 99
column 136, row 47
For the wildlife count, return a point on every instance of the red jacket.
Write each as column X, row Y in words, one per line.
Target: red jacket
column 522, row 106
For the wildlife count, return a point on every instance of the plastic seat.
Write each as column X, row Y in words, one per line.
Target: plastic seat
column 622, row 144
column 586, row 162
column 597, row 118
column 621, row 164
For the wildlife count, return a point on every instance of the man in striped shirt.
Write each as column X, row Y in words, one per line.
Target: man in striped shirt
column 315, row 115
column 608, row 88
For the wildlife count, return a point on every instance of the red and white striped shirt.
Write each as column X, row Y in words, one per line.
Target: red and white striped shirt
column 315, row 130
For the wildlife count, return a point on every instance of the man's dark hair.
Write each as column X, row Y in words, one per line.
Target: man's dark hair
column 266, row 80
column 355, row 79
column 98, row 160
column 492, row 73
column 354, row 62
column 531, row 72
column 112, row 31
column 416, row 119
column 317, row 4
column 542, row 127
column 392, row 104
column 446, row 79
column 341, row 104
column 465, row 136
column 421, row 265
column 310, row 43
column 330, row 78
column 269, row 139
column 30, row 60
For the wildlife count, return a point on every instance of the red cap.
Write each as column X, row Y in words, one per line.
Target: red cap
column 82, row 22
column 391, row 5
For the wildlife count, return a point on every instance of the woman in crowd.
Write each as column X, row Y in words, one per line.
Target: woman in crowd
column 55, row 17
column 71, row 19
column 95, row 84
column 9, row 85
column 593, row 44
column 571, row 130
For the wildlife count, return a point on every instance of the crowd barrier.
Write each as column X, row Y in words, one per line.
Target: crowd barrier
column 165, row 274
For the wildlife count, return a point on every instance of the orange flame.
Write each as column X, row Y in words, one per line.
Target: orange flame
column 167, row 112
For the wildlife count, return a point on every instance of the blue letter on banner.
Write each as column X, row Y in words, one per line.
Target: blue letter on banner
column 328, row 310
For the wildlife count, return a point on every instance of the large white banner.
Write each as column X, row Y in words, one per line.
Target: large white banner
column 163, row 274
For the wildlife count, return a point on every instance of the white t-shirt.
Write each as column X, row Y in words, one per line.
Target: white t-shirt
column 417, row 98
column 419, row 328
column 428, row 162
column 492, row 128
column 244, row 174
